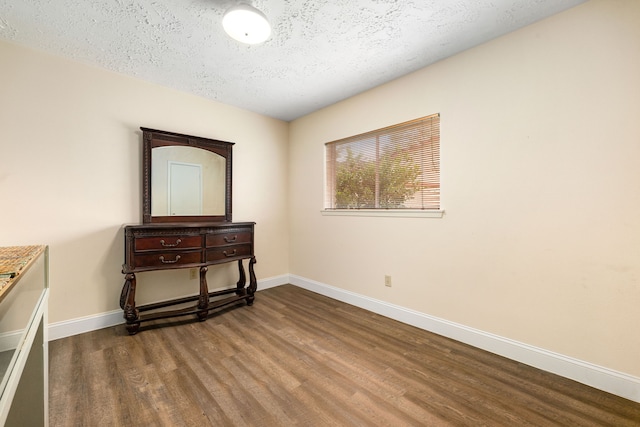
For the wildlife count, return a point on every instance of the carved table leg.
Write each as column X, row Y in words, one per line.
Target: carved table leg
column 124, row 293
column 128, row 303
column 203, row 301
column 242, row 279
column 253, row 283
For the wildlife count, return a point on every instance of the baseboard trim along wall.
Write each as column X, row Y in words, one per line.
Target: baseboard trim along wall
column 10, row 340
column 602, row 378
column 81, row 325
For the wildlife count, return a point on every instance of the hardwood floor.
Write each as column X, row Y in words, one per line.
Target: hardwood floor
column 296, row 358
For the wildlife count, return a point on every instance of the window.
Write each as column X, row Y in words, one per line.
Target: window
column 397, row 167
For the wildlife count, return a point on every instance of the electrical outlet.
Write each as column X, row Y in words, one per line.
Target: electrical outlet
column 387, row 281
column 193, row 273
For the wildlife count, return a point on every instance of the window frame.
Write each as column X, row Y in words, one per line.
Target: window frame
column 330, row 181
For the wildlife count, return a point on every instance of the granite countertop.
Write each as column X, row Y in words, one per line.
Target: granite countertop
column 13, row 261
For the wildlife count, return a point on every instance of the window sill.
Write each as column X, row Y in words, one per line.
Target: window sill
column 398, row 213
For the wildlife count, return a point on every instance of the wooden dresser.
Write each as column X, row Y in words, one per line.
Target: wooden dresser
column 164, row 246
column 186, row 223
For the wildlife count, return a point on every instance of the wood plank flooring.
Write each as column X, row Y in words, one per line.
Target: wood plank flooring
column 296, row 358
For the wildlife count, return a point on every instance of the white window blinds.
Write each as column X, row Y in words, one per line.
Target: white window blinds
column 397, row 167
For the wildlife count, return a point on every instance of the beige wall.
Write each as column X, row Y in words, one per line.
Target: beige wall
column 70, row 174
column 540, row 242
column 540, row 182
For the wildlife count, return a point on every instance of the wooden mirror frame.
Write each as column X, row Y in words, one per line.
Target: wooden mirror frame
column 157, row 138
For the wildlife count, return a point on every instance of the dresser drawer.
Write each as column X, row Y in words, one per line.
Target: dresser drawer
column 165, row 259
column 222, row 239
column 228, row 252
column 168, row 242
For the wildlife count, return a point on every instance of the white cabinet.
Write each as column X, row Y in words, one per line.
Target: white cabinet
column 24, row 353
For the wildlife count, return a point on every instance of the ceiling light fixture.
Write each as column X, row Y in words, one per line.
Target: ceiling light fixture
column 246, row 24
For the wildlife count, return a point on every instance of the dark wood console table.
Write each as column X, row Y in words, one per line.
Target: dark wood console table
column 163, row 246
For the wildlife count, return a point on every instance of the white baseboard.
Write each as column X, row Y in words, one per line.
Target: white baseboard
column 599, row 377
column 81, row 325
column 273, row 282
column 10, row 340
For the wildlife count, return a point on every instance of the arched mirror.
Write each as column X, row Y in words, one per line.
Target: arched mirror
column 185, row 178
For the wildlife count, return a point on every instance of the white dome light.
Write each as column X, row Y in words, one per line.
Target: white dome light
column 246, row 24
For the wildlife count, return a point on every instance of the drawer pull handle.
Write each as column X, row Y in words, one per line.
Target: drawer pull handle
column 162, row 260
column 229, row 254
column 169, row 245
column 231, row 239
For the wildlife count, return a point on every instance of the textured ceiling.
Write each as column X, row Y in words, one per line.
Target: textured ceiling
column 321, row 51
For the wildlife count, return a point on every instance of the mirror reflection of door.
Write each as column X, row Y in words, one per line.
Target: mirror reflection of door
column 185, row 188
column 213, row 178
